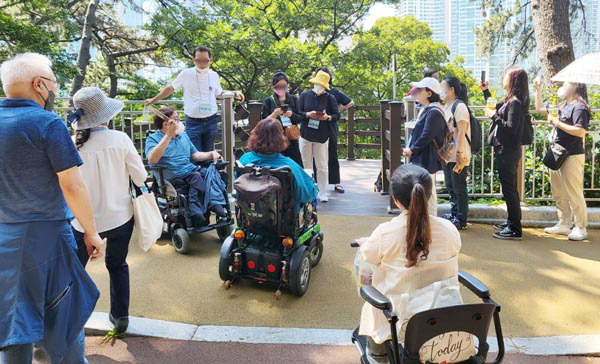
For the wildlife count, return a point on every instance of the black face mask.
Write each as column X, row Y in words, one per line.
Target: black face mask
column 49, row 101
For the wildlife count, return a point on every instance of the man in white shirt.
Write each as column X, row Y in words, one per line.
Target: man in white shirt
column 201, row 87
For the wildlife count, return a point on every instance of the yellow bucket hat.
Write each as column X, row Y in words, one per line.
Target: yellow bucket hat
column 321, row 79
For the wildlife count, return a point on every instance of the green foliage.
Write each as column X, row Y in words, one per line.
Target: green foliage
column 366, row 73
column 253, row 39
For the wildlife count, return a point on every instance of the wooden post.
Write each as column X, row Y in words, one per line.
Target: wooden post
column 228, row 143
column 350, row 135
column 385, row 146
column 397, row 116
column 254, row 108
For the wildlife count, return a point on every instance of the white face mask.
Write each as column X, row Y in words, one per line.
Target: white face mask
column 201, row 70
column 318, row 89
column 562, row 92
column 443, row 95
column 180, row 128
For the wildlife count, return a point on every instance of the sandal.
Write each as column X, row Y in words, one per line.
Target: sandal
column 339, row 189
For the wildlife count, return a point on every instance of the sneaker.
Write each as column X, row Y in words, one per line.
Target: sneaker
column 219, row 210
column 448, row 217
column 508, row 234
column 376, row 359
column 460, row 225
column 500, row 227
column 323, row 197
column 120, row 323
column 578, row 234
column 558, row 229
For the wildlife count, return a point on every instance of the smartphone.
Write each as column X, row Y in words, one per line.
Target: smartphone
column 284, row 107
column 319, row 113
column 482, row 76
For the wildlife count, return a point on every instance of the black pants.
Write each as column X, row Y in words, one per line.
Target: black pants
column 508, row 162
column 293, row 152
column 117, row 247
column 333, row 162
column 456, row 184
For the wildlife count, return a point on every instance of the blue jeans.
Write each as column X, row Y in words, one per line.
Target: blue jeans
column 23, row 354
column 202, row 132
column 456, row 184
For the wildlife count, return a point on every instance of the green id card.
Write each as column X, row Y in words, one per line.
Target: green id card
column 314, row 124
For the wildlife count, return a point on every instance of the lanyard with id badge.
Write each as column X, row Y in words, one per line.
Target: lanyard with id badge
column 205, row 102
column 314, row 123
column 285, row 120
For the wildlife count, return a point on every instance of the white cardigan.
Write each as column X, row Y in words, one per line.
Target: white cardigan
column 109, row 159
column 386, row 249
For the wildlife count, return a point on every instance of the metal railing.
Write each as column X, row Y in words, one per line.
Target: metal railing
column 389, row 128
column 534, row 177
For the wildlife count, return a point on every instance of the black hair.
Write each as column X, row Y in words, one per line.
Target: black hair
column 411, row 185
column 326, row 70
column 202, row 49
column 429, row 72
column 158, row 121
column 460, row 90
column 434, row 97
column 278, row 76
column 82, row 136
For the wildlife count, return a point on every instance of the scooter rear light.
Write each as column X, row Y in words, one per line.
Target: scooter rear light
column 271, row 268
column 287, row 242
column 239, row 235
column 251, row 264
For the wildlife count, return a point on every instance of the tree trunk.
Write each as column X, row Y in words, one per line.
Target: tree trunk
column 83, row 58
column 552, row 29
column 112, row 75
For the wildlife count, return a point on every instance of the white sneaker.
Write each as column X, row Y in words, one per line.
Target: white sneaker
column 578, row 234
column 323, row 197
column 558, row 229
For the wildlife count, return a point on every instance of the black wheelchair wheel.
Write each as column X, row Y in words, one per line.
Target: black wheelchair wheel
column 225, row 258
column 181, row 241
column 224, row 232
column 316, row 250
column 300, row 268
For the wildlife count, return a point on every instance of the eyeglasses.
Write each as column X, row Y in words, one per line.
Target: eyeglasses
column 202, row 61
column 51, row 80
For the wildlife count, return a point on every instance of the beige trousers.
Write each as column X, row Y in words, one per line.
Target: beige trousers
column 432, row 203
column 567, row 190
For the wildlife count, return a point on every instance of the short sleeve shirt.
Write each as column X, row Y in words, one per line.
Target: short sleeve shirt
column 177, row 156
column 200, row 92
column 35, row 145
column 576, row 114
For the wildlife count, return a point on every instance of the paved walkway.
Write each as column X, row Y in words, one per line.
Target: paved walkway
column 161, row 351
column 546, row 285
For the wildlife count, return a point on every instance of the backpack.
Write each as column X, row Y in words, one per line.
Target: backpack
column 475, row 139
column 528, row 134
column 448, row 147
column 259, row 198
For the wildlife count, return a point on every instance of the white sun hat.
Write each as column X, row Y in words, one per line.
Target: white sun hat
column 429, row 82
column 93, row 107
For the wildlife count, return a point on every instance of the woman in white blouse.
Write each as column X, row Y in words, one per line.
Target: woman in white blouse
column 110, row 160
column 409, row 252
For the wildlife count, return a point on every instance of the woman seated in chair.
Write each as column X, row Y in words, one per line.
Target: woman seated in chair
column 410, row 252
column 266, row 143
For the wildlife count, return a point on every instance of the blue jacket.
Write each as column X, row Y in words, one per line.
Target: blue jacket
column 305, row 190
column 430, row 126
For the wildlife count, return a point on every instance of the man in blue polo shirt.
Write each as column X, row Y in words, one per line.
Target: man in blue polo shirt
column 171, row 148
column 45, row 294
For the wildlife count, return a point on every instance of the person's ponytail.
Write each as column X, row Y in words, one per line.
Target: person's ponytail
column 82, row 136
column 418, row 235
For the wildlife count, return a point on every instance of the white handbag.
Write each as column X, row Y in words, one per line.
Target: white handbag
column 148, row 223
column 452, row 346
